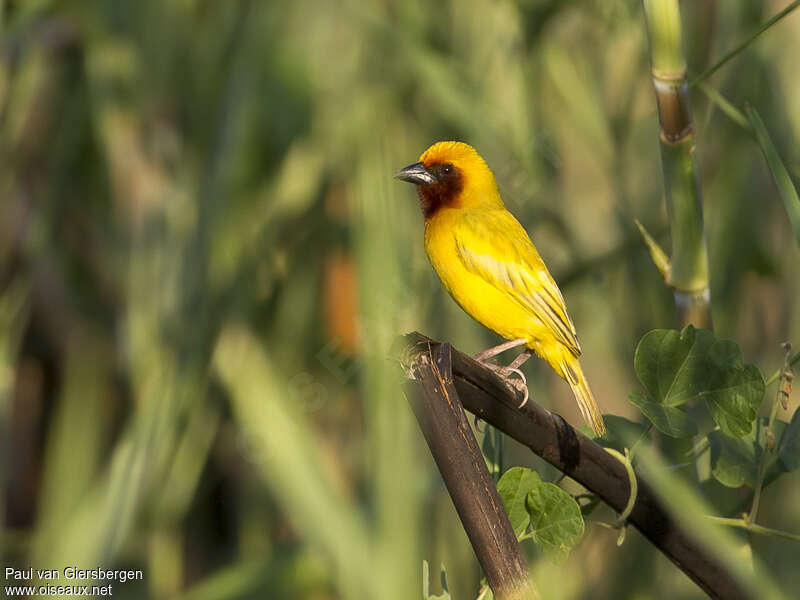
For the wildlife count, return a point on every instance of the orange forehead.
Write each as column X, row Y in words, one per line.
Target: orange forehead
column 457, row 153
column 471, row 183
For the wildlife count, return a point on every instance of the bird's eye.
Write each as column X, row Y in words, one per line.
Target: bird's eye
column 447, row 169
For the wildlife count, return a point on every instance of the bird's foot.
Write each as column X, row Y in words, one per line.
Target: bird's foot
column 495, row 350
column 507, row 374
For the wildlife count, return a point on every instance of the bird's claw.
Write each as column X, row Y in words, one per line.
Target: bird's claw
column 520, row 384
column 506, row 373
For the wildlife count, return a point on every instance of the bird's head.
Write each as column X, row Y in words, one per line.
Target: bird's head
column 452, row 175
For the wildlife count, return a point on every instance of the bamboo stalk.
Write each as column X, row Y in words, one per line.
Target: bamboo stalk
column 435, row 402
column 688, row 269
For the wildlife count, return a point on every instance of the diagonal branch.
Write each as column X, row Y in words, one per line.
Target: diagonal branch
column 578, row 457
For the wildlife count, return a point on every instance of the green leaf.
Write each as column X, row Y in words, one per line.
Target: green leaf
column 734, row 404
column 789, row 447
column 734, row 462
column 554, row 515
column 556, row 520
column 781, row 176
column 676, row 367
column 667, row 363
column 667, row 419
column 658, row 255
column 513, row 487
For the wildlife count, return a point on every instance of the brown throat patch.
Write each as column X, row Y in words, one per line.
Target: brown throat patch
column 443, row 192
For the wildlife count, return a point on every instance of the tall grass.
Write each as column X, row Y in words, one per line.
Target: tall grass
column 204, row 262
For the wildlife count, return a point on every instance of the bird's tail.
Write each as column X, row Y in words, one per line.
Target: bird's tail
column 577, row 381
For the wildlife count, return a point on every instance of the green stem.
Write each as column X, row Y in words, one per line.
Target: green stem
column 768, row 448
column 663, row 20
column 753, row 527
column 688, row 272
column 701, row 446
column 713, row 69
column 632, row 483
column 751, row 516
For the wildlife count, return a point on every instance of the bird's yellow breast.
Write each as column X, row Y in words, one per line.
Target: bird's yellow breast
column 484, row 302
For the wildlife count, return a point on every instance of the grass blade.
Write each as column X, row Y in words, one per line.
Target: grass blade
column 290, row 462
column 779, row 173
column 727, row 108
column 714, row 68
column 690, row 510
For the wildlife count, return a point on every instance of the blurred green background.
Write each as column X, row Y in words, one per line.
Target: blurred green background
column 204, row 261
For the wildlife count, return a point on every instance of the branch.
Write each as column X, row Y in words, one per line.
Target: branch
column 549, row 436
column 441, row 418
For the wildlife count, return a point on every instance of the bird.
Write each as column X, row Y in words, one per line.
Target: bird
column 491, row 268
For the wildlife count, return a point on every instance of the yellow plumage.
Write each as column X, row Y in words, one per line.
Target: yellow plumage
column 489, row 265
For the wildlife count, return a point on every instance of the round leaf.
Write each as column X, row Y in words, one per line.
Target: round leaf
column 513, row 487
column 556, row 520
column 676, row 367
column 668, row 419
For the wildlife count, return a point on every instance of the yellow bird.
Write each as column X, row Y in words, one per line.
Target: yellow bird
column 491, row 268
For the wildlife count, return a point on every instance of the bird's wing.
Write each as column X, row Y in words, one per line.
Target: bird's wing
column 493, row 245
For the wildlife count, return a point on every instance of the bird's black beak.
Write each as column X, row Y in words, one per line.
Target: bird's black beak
column 416, row 173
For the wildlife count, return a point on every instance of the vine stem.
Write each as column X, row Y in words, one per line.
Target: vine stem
column 755, row 528
column 768, row 448
column 776, row 375
column 625, row 459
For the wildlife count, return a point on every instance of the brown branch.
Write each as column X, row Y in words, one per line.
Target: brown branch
column 549, row 436
column 441, row 418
